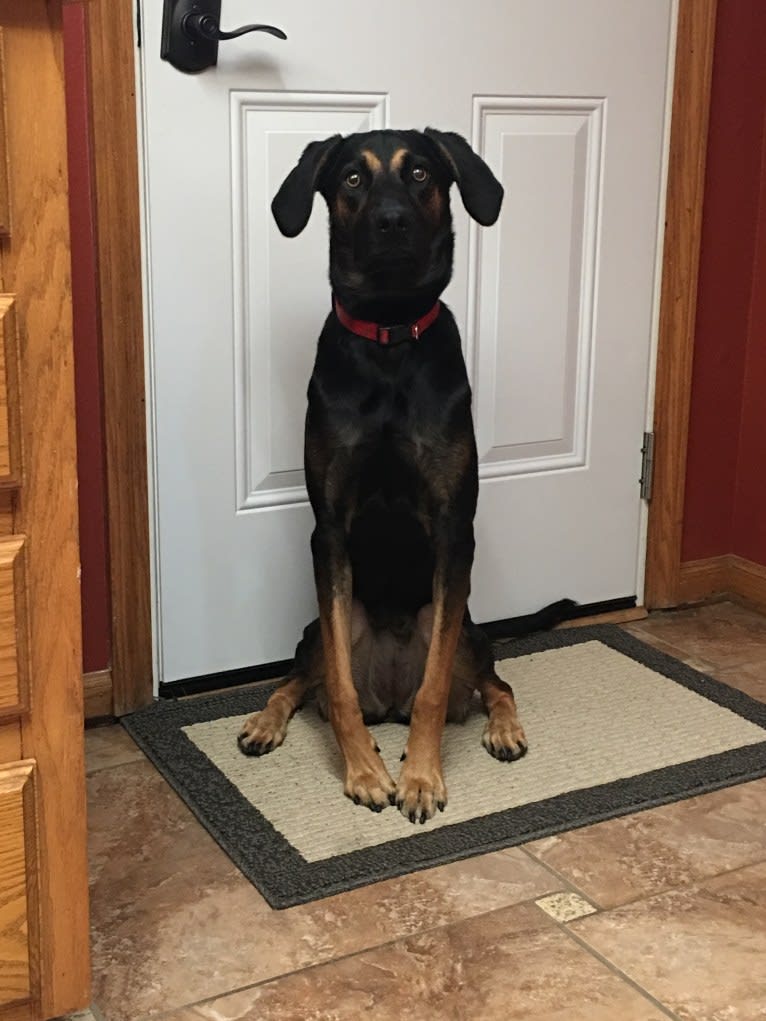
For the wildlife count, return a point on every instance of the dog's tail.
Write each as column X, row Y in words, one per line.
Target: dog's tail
column 542, row 620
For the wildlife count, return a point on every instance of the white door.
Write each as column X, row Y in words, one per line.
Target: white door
column 567, row 102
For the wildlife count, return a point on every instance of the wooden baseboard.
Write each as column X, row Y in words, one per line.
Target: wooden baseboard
column 614, row 617
column 748, row 581
column 98, row 694
column 701, row 579
column 725, row 575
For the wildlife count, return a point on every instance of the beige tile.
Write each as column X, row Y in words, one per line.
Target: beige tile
column 700, row 951
column 722, row 634
column 677, row 845
column 565, row 907
column 514, row 964
column 174, row 921
column 109, row 746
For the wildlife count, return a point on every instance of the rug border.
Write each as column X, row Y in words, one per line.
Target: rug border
column 286, row 879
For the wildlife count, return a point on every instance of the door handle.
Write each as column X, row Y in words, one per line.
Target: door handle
column 191, row 32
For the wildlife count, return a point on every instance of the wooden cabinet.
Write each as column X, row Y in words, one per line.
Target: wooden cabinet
column 44, row 953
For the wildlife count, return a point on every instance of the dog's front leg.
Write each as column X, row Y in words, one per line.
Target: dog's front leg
column 367, row 781
column 420, row 789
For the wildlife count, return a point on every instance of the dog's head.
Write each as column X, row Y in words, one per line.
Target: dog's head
column 388, row 197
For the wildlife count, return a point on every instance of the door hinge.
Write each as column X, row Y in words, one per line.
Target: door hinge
column 138, row 23
column 647, row 466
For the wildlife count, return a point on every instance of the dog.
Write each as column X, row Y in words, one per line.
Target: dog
column 391, row 470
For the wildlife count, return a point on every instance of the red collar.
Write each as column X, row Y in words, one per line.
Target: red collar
column 386, row 334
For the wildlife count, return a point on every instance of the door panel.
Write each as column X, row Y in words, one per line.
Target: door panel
column 567, row 104
column 18, row 900
column 532, row 402
column 13, row 627
column 272, row 359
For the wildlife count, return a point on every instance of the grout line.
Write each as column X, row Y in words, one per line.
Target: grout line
column 702, row 881
column 348, row 956
column 115, row 765
column 559, row 877
column 618, row 972
column 693, row 884
column 624, row 976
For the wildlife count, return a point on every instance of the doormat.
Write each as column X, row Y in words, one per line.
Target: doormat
column 614, row 727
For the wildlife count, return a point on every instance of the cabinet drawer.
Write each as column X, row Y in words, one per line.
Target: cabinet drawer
column 10, row 468
column 13, row 626
column 18, row 869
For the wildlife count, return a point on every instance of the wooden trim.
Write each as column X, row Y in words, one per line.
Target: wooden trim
column 9, row 397
column 111, row 39
column 748, row 582
column 728, row 575
column 613, row 617
column 36, row 269
column 700, row 579
column 678, row 303
column 97, row 687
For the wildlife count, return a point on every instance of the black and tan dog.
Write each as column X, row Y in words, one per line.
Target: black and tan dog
column 391, row 469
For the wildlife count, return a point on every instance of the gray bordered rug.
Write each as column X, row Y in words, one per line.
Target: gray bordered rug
column 614, row 726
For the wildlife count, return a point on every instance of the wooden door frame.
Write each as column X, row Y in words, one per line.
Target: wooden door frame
column 113, row 94
column 113, row 91
column 678, row 302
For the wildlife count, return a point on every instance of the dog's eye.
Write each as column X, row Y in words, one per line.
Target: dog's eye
column 354, row 179
column 419, row 174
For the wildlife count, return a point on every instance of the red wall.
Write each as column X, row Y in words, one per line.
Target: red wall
column 749, row 526
column 90, row 429
column 725, row 508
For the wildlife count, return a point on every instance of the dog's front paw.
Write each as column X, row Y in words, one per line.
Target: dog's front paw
column 504, row 737
column 420, row 790
column 262, row 733
column 368, row 783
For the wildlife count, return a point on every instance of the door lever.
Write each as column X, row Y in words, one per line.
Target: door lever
column 191, row 32
column 204, row 26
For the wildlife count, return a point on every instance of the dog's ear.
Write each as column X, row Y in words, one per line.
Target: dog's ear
column 292, row 203
column 480, row 190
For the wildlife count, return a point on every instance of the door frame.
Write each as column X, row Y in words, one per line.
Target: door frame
column 118, row 235
column 111, row 69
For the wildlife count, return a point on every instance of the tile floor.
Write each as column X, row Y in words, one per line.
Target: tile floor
column 653, row 916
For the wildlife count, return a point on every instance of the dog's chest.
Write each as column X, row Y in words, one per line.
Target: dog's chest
column 388, row 470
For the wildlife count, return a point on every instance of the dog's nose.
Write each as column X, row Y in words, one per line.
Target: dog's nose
column 392, row 219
